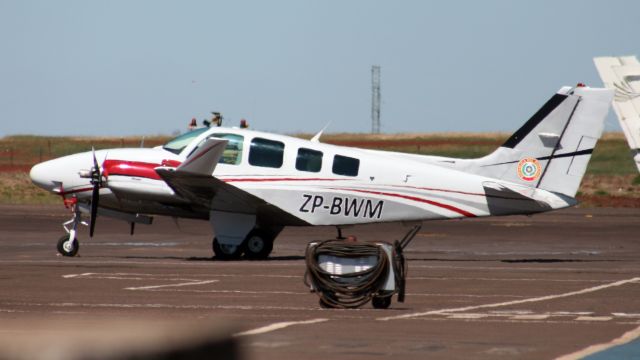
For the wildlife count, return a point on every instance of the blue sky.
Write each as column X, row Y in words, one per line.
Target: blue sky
column 121, row 68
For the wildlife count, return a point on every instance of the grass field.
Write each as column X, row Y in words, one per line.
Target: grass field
column 611, row 180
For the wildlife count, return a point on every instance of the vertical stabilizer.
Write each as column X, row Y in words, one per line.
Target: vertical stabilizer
column 552, row 149
column 622, row 74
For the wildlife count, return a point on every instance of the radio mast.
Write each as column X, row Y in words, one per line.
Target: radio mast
column 375, row 99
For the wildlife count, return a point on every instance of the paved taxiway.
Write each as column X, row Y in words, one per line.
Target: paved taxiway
column 527, row 287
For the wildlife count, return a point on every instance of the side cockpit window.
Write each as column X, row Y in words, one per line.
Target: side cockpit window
column 309, row 160
column 266, row 153
column 232, row 154
column 344, row 165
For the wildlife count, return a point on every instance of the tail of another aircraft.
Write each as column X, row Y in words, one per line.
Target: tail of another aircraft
column 622, row 74
column 551, row 150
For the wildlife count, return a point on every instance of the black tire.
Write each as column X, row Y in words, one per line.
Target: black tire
column 257, row 245
column 226, row 252
column 66, row 247
column 379, row 302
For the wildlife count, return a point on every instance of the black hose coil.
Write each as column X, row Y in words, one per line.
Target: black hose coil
column 355, row 289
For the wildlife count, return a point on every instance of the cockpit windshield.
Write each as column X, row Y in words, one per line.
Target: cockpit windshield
column 178, row 144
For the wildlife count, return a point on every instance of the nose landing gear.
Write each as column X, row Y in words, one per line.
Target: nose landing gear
column 68, row 244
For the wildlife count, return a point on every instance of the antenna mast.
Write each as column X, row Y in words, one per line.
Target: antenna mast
column 375, row 99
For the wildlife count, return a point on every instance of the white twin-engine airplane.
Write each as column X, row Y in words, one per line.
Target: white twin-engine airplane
column 251, row 184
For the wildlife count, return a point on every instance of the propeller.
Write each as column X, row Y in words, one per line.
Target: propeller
column 96, row 181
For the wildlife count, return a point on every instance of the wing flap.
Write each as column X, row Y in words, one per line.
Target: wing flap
column 210, row 192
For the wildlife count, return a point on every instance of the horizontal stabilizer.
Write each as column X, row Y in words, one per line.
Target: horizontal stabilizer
column 503, row 198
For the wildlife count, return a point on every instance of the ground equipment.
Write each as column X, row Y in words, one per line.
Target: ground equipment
column 348, row 274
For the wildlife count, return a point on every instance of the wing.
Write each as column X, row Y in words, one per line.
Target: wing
column 193, row 180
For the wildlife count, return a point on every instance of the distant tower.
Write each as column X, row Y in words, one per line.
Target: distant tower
column 375, row 99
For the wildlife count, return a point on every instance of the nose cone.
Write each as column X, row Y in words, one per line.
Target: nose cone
column 42, row 175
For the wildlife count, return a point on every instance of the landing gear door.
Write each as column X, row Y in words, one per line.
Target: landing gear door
column 231, row 228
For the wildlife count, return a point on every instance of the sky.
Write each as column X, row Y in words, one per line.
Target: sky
column 146, row 67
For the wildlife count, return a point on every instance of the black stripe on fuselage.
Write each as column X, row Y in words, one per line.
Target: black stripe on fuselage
column 536, row 119
column 556, row 156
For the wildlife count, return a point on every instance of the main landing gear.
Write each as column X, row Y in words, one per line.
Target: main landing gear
column 257, row 245
column 68, row 244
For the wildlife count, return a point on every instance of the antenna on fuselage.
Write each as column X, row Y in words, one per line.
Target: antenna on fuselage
column 316, row 137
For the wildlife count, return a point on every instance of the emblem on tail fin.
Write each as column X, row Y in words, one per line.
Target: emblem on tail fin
column 529, row 169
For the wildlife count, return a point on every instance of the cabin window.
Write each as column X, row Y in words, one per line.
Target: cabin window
column 232, row 154
column 344, row 165
column 266, row 153
column 309, row 160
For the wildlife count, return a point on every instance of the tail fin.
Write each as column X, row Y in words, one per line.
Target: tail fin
column 551, row 150
column 622, row 74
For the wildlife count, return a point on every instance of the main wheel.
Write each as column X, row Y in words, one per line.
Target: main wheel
column 226, row 252
column 379, row 302
column 257, row 246
column 67, row 247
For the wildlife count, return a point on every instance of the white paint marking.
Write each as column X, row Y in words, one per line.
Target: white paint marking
column 171, row 285
column 467, row 316
column 127, row 276
column 76, row 275
column 278, row 326
column 467, row 295
column 594, row 318
column 627, row 337
column 165, row 306
column 625, row 315
column 510, row 312
column 514, row 302
column 511, row 269
column 570, row 313
column 530, row 317
column 112, row 275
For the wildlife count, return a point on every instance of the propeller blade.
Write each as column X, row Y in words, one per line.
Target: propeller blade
column 95, row 161
column 94, row 208
column 96, row 180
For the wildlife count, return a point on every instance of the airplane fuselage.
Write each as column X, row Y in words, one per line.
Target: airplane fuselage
column 317, row 183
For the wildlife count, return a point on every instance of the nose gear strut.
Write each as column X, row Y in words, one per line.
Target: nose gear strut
column 68, row 244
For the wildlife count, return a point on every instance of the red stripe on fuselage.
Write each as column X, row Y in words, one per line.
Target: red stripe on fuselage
column 131, row 168
column 277, row 179
column 414, row 198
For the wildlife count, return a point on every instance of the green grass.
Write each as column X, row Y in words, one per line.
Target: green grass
column 612, row 157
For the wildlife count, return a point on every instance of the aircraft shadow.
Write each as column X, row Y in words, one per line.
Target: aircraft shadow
column 212, row 258
column 515, row 261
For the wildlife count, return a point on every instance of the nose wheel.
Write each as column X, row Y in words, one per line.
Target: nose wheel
column 68, row 246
